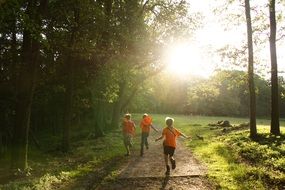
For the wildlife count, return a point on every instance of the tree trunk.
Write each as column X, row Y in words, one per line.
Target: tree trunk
column 99, row 119
column 1, row 145
column 252, row 107
column 70, row 61
column 275, row 128
column 68, row 106
column 118, row 106
column 116, row 114
column 130, row 97
column 15, row 60
column 105, row 38
column 26, row 86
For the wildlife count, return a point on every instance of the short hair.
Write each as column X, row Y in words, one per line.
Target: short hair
column 128, row 116
column 169, row 121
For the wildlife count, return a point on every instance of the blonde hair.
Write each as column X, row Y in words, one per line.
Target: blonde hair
column 127, row 116
column 169, row 121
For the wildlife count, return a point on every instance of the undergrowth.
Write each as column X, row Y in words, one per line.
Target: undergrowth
column 56, row 170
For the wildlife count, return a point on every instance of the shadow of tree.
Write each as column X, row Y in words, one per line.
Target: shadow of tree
column 273, row 141
column 267, row 138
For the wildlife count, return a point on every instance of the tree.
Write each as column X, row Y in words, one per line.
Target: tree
column 252, row 99
column 74, row 35
column 141, row 27
column 282, row 96
column 26, row 83
column 275, row 128
column 70, row 62
column 10, row 50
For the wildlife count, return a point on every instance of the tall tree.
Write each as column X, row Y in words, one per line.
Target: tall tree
column 252, row 99
column 275, row 128
column 69, row 83
column 26, row 83
column 73, row 34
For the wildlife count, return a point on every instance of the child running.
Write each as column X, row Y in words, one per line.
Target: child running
column 170, row 135
column 128, row 132
column 145, row 125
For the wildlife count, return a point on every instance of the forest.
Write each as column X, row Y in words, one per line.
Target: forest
column 70, row 70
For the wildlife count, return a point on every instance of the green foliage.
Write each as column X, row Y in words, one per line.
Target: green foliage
column 225, row 93
column 265, row 155
column 266, row 150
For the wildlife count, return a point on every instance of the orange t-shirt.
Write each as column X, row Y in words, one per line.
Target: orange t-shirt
column 128, row 127
column 170, row 136
column 145, row 124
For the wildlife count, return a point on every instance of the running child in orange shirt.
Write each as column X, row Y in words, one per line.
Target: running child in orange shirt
column 170, row 135
column 128, row 132
column 145, row 125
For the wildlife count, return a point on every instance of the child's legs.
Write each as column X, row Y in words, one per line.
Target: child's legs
column 166, row 159
column 171, row 159
column 166, row 154
column 171, row 153
column 131, row 141
column 126, row 145
column 128, row 149
column 144, row 139
column 127, row 142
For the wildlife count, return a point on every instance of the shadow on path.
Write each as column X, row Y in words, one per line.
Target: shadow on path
column 164, row 183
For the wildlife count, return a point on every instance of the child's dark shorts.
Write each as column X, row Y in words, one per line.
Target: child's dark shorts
column 168, row 150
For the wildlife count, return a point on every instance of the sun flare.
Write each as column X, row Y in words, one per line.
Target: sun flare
column 184, row 60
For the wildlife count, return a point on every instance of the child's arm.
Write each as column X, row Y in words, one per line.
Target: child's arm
column 153, row 128
column 185, row 136
column 159, row 138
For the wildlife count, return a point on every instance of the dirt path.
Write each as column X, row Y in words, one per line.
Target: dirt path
column 147, row 172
